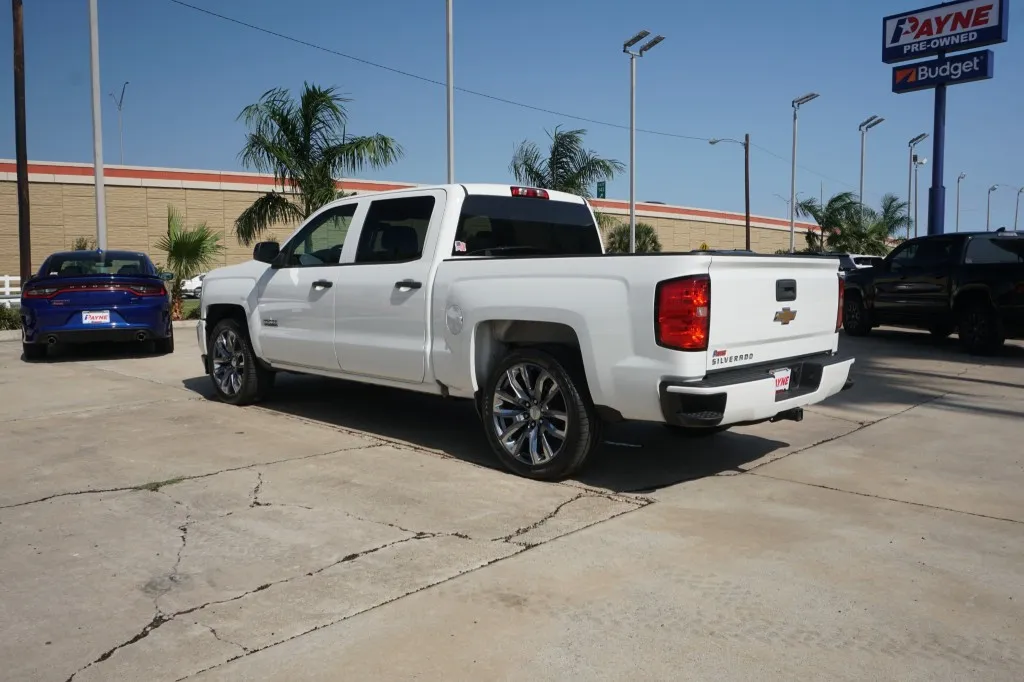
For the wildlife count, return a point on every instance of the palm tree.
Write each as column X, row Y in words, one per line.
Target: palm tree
column 617, row 240
column 848, row 227
column 190, row 251
column 305, row 146
column 841, row 211
column 565, row 167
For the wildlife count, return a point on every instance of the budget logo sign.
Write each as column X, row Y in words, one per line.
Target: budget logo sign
column 961, row 68
column 951, row 27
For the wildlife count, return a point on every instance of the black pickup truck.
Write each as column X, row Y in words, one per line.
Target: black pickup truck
column 968, row 282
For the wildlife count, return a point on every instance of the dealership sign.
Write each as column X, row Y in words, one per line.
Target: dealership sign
column 960, row 68
column 951, row 27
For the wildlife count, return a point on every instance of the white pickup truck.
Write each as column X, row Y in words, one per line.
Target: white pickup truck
column 504, row 295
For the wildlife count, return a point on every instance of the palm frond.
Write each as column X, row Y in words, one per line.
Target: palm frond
column 270, row 209
column 567, row 166
column 303, row 144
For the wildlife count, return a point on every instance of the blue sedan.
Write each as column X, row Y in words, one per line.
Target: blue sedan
column 88, row 296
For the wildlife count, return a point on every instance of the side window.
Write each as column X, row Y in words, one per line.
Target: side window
column 904, row 256
column 933, row 252
column 320, row 242
column 394, row 230
column 991, row 250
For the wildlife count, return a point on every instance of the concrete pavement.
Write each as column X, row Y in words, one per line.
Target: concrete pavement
column 348, row 532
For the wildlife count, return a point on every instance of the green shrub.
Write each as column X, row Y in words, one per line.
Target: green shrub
column 10, row 318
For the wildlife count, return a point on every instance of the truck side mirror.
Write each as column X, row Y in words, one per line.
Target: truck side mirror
column 266, row 252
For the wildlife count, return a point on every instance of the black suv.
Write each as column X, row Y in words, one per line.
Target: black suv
column 969, row 282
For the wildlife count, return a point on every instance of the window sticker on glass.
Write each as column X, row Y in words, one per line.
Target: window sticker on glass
column 460, row 247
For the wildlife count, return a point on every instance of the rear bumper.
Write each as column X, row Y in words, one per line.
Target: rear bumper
column 46, row 324
column 101, row 335
column 747, row 395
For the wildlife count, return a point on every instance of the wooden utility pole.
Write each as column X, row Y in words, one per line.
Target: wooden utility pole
column 21, row 153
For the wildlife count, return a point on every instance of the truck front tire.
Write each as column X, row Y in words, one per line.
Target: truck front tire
column 855, row 315
column 538, row 416
column 237, row 376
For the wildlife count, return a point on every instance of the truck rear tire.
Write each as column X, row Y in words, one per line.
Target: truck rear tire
column 538, row 416
column 979, row 328
column 855, row 315
column 237, row 376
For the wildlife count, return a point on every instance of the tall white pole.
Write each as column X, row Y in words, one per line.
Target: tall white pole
column 917, row 167
column 910, row 194
column 451, row 97
column 97, row 127
column 792, row 191
column 860, row 194
column 632, row 153
column 988, row 209
column 1016, row 211
column 958, row 202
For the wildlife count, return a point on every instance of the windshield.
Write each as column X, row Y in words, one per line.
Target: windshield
column 512, row 226
column 94, row 263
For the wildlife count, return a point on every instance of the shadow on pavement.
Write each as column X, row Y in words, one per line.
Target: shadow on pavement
column 636, row 457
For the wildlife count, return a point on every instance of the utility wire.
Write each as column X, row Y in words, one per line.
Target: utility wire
column 476, row 93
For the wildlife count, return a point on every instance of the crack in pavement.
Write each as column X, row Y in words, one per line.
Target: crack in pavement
column 889, row 499
column 217, row 637
column 848, row 433
column 510, row 538
column 161, row 618
column 193, row 477
column 256, row 492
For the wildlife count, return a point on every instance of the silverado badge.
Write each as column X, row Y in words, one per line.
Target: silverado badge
column 785, row 316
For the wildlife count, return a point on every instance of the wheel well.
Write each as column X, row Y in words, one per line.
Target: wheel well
column 970, row 296
column 219, row 311
column 496, row 338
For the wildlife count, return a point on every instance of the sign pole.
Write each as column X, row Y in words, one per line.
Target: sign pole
column 937, row 193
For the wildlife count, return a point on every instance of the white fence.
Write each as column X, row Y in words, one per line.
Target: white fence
column 10, row 290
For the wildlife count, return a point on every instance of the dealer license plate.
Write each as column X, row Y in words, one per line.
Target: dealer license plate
column 782, row 377
column 96, row 317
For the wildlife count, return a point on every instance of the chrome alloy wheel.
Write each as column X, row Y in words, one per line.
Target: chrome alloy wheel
column 529, row 414
column 228, row 362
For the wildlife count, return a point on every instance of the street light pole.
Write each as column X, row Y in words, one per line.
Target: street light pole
column 918, row 162
column 20, row 144
column 1016, row 211
column 120, row 106
column 864, row 127
column 97, row 127
column 804, row 99
column 958, row 179
column 910, row 179
column 988, row 205
column 632, row 123
column 450, row 82
column 746, row 178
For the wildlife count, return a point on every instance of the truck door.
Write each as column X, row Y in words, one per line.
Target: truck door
column 382, row 301
column 297, row 294
column 914, row 287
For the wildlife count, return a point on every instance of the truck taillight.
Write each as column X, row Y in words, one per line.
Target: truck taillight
column 842, row 297
column 682, row 313
column 531, row 192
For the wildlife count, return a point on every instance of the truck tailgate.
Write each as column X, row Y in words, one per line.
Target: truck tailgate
column 763, row 309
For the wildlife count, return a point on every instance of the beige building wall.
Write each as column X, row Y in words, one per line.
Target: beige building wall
column 63, row 208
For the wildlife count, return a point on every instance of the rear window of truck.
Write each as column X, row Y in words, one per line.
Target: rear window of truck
column 992, row 250
column 521, row 226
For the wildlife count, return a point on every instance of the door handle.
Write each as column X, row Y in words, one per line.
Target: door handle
column 322, row 284
column 408, row 284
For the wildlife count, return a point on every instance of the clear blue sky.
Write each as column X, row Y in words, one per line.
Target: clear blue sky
column 726, row 68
